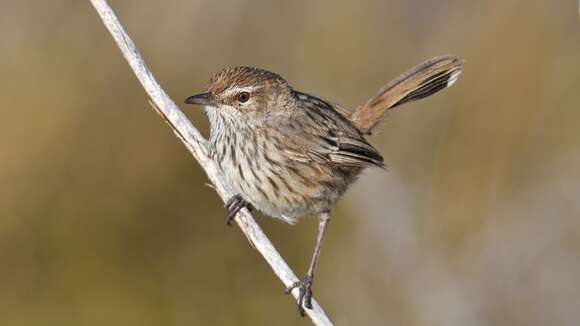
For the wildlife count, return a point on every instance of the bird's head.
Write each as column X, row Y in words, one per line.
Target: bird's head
column 244, row 93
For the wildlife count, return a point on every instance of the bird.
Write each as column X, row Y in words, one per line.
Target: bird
column 290, row 154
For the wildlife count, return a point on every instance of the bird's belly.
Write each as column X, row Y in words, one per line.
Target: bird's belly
column 286, row 190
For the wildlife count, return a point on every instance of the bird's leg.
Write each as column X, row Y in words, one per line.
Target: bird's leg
column 234, row 205
column 305, row 295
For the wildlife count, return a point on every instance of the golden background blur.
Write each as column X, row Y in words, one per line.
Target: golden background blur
column 105, row 218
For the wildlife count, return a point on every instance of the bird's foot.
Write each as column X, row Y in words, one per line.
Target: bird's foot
column 305, row 294
column 234, row 205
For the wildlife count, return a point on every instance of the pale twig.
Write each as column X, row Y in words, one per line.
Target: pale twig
column 197, row 145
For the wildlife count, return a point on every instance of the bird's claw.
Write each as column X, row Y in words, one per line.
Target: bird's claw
column 304, row 299
column 234, row 205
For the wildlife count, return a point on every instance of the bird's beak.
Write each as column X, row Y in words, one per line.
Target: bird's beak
column 200, row 99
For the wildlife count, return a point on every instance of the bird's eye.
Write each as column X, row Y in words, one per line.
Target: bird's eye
column 243, row 97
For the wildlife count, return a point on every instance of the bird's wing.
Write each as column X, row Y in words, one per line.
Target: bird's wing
column 317, row 131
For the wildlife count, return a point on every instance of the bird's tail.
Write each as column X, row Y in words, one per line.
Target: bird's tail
column 421, row 81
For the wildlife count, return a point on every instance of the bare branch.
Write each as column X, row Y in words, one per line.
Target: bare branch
column 197, row 145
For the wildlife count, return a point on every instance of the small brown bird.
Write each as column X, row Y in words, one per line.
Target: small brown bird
column 291, row 154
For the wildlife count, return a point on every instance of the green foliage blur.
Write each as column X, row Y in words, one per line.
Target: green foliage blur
column 105, row 218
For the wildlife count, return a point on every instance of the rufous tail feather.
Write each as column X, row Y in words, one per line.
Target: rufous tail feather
column 419, row 82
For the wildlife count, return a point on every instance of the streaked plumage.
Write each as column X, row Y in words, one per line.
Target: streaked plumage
column 295, row 155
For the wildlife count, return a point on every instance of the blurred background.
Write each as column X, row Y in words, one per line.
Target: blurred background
column 106, row 219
